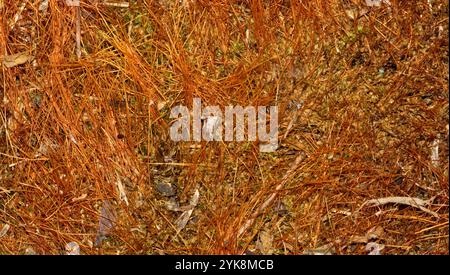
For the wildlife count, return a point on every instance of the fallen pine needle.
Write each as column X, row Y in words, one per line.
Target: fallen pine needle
column 182, row 164
column 117, row 5
column 432, row 227
column 78, row 32
column 272, row 196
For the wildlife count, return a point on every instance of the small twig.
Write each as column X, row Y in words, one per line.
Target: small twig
column 4, row 190
column 117, row 5
column 291, row 123
column 76, row 4
column 435, row 152
column 78, row 32
column 432, row 227
column 22, row 158
column 293, row 120
column 414, row 202
column 272, row 196
column 121, row 189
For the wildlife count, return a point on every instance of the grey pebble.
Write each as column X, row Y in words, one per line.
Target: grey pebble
column 165, row 188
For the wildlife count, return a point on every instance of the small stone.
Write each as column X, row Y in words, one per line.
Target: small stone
column 165, row 188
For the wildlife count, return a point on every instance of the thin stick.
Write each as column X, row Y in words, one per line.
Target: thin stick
column 414, row 202
column 272, row 196
column 78, row 32
column 180, row 164
column 117, row 5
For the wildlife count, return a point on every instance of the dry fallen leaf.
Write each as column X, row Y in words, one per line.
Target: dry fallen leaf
column 172, row 204
column 375, row 233
column 327, row 249
column 264, row 243
column 414, row 202
column 376, row 3
column 4, row 230
column 16, row 59
column 374, row 248
column 185, row 216
column 106, row 222
column 72, row 248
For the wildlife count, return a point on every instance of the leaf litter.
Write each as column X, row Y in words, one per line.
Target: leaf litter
column 265, row 242
column 72, row 248
column 106, row 222
column 4, row 230
column 186, row 215
column 17, row 59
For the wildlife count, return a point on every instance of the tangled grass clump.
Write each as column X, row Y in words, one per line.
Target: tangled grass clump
column 362, row 94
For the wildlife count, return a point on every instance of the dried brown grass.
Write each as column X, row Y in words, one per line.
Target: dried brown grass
column 374, row 89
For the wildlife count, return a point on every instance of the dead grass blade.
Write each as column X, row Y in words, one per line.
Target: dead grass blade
column 272, row 196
